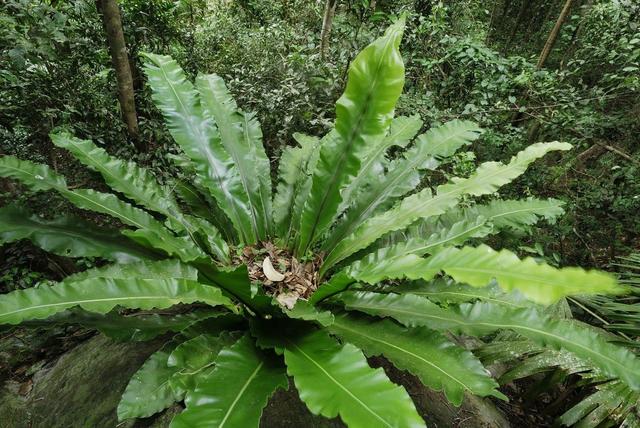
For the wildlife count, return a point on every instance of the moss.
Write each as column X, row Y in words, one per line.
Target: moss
column 80, row 389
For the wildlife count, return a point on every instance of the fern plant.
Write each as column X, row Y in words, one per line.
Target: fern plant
column 347, row 259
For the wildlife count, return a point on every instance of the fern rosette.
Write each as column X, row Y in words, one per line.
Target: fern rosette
column 348, row 258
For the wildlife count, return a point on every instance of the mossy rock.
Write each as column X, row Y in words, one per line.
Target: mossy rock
column 82, row 388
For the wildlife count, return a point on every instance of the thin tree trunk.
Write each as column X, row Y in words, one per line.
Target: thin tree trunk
column 327, row 22
column 120, row 59
column 553, row 36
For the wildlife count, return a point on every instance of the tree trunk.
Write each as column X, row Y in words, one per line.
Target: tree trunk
column 327, row 22
column 553, row 36
column 120, row 60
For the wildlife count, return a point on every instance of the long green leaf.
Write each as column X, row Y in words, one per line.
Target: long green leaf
column 162, row 269
column 483, row 318
column 363, row 115
column 382, row 190
column 611, row 400
column 338, row 282
column 415, row 243
column 101, row 295
column 178, row 100
column 69, row 237
column 487, row 179
column 437, row 362
column 517, row 214
column 40, row 177
column 136, row 183
column 294, row 170
column 401, row 131
column 242, row 138
column 236, row 391
column 37, row 176
column 334, row 379
column 125, row 328
column 478, row 266
column 154, row 234
column 182, row 247
column 148, row 391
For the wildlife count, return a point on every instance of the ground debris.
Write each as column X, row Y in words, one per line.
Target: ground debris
column 300, row 278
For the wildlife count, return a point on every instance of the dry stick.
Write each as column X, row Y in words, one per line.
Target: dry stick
column 120, row 59
column 618, row 152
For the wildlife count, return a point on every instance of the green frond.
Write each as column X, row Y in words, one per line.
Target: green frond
column 445, row 290
column 150, row 233
column 193, row 360
column 294, row 171
column 101, row 295
column 198, row 137
column 478, row 266
column 148, row 391
column 486, row 180
column 335, row 380
column 483, row 318
column 136, row 183
column 69, row 236
column 438, row 363
column 137, row 327
column 401, row 131
column 414, row 242
column 611, row 400
column 363, row 115
column 382, row 190
column 242, row 138
column 249, row 376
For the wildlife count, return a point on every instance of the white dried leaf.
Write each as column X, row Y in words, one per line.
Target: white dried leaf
column 270, row 272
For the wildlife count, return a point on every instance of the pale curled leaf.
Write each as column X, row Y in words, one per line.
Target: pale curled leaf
column 270, row 272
